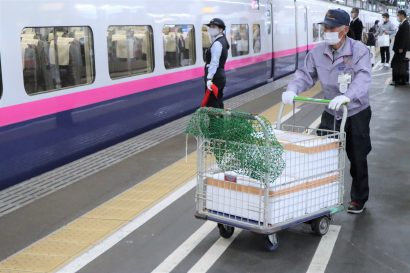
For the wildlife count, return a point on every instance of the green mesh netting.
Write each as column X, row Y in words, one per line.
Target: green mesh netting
column 238, row 142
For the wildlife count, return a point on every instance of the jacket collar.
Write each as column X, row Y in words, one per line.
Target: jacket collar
column 218, row 36
column 344, row 50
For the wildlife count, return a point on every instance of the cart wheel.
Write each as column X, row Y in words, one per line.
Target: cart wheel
column 225, row 231
column 272, row 242
column 320, row 226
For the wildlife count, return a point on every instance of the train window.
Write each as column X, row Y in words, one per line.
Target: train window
column 130, row 50
column 1, row 81
column 206, row 41
column 317, row 32
column 240, row 40
column 179, row 45
column 56, row 57
column 256, row 38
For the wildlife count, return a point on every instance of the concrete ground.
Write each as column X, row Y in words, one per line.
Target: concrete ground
column 375, row 241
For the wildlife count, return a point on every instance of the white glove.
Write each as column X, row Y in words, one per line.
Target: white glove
column 209, row 84
column 337, row 102
column 288, row 96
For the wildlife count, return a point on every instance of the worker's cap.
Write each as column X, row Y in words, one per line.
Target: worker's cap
column 216, row 22
column 336, row 18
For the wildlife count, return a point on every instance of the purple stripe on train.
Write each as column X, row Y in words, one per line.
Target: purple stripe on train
column 32, row 147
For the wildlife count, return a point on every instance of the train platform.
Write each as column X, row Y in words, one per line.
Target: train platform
column 130, row 208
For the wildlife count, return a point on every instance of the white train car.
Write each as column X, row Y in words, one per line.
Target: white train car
column 78, row 76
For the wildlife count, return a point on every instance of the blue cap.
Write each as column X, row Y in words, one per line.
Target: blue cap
column 336, row 18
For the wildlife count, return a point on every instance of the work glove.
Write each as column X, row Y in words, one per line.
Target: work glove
column 209, row 84
column 337, row 102
column 288, row 96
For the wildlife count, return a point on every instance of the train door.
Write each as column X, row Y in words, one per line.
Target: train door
column 302, row 33
column 269, row 35
column 284, row 37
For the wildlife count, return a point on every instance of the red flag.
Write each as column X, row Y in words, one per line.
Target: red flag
column 214, row 90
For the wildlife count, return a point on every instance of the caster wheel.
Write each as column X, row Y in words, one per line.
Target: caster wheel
column 272, row 242
column 320, row 226
column 225, row 231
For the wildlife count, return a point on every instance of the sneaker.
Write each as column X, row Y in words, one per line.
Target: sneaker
column 355, row 207
column 387, row 65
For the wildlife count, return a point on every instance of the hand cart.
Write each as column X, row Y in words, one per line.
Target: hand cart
column 309, row 188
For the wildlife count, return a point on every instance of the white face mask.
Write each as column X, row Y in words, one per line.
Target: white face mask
column 331, row 38
column 213, row 32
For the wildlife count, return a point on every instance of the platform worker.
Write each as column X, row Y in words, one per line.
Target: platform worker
column 343, row 67
column 356, row 25
column 399, row 63
column 215, row 59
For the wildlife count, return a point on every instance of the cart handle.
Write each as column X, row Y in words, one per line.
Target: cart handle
column 313, row 101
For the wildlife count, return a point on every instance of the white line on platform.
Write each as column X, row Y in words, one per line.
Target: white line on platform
column 289, row 115
column 316, row 123
column 213, row 254
column 220, row 246
column 378, row 66
column 106, row 244
column 323, row 252
column 185, row 248
column 381, row 74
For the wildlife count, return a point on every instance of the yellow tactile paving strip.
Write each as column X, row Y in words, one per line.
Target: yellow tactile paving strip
column 57, row 249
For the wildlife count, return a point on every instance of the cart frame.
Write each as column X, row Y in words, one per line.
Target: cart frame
column 319, row 220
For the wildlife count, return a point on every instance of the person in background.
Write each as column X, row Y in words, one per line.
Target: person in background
column 371, row 40
column 356, row 26
column 375, row 29
column 256, row 38
column 215, row 59
column 386, row 28
column 401, row 45
column 342, row 66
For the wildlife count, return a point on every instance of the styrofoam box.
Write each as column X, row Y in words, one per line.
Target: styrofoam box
column 280, row 208
column 301, row 167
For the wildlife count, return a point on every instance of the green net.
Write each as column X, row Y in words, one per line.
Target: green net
column 239, row 142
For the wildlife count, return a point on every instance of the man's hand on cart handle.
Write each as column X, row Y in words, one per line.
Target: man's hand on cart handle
column 288, row 96
column 337, row 102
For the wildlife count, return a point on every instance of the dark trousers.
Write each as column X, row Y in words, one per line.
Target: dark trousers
column 400, row 68
column 385, row 54
column 217, row 102
column 358, row 146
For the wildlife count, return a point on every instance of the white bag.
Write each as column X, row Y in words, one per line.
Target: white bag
column 407, row 54
column 384, row 40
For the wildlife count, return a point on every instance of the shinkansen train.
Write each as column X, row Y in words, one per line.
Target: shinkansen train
column 79, row 76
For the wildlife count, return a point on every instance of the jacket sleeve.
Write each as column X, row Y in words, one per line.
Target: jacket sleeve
column 305, row 77
column 359, row 88
column 401, row 39
column 391, row 30
column 216, row 51
column 359, row 30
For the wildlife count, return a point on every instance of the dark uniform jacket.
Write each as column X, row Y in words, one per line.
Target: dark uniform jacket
column 356, row 28
column 402, row 39
column 399, row 63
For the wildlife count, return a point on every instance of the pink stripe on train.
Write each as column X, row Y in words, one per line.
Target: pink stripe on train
column 35, row 109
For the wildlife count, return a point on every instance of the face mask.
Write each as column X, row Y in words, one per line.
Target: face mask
column 213, row 32
column 331, row 38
